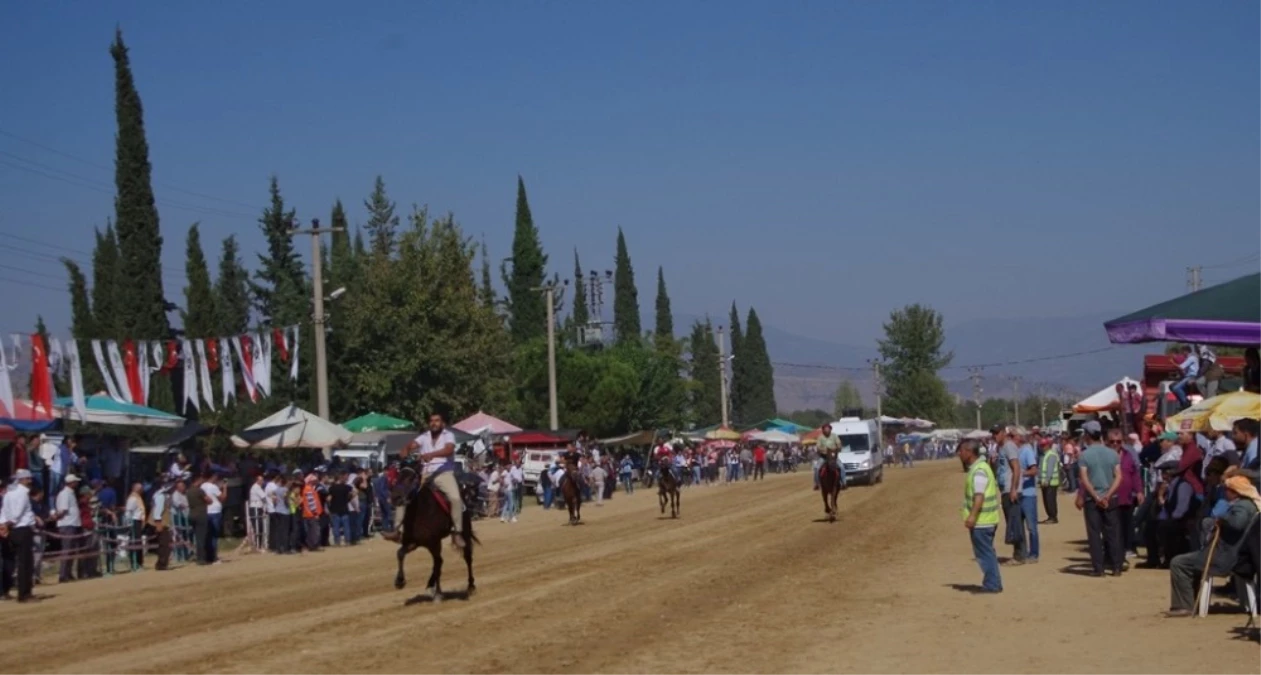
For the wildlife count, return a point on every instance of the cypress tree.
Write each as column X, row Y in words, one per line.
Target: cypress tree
column 232, row 293
column 527, row 311
column 665, row 320
column 360, row 250
column 106, row 307
column 759, row 389
column 82, row 325
column 141, row 303
column 706, row 384
column 487, row 290
column 382, row 224
column 341, row 269
column 735, row 385
column 581, row 315
column 626, row 322
column 279, row 292
column 200, row 313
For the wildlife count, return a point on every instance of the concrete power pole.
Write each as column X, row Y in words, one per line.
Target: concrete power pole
column 1194, row 281
column 722, row 375
column 976, row 393
column 1015, row 396
column 551, row 293
column 317, row 274
column 878, row 385
column 1042, row 401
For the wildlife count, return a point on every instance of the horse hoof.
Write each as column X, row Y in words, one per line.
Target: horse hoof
column 399, row 584
column 437, row 597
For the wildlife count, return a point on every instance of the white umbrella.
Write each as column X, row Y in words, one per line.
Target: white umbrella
column 775, row 436
column 303, row 430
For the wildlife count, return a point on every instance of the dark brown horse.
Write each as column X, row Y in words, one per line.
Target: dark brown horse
column 571, row 492
column 426, row 524
column 830, row 487
column 668, row 489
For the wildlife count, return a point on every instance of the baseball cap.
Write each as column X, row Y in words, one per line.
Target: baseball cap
column 998, row 428
column 21, row 474
column 1092, row 427
column 71, row 478
column 1169, row 436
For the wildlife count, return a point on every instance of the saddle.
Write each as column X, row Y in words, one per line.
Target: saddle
column 441, row 499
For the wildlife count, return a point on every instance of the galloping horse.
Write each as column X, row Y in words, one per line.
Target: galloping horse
column 830, row 486
column 668, row 489
column 426, row 523
column 571, row 492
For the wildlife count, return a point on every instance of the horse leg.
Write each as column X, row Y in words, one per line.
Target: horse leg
column 468, row 561
column 435, row 577
column 399, row 580
column 661, row 497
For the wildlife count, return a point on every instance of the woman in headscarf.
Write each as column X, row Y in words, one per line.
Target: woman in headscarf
column 1233, row 528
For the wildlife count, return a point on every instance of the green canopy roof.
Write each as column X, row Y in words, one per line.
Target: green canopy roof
column 1228, row 314
column 374, row 421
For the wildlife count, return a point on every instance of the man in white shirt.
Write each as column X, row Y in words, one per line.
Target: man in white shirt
column 214, row 517
column 17, row 520
column 435, row 449
column 69, row 525
column 277, row 495
column 256, row 516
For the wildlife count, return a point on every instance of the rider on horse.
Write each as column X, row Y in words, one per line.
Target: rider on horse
column 664, row 456
column 828, row 446
column 436, row 451
column 570, row 458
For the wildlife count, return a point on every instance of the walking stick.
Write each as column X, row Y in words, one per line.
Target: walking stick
column 1208, row 562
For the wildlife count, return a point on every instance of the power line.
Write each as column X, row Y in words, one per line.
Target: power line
column 85, row 256
column 169, row 276
column 996, row 364
column 20, row 282
column 1255, row 257
column 107, row 168
column 46, row 275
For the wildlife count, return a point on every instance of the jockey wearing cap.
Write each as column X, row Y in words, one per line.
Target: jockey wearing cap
column 664, row 456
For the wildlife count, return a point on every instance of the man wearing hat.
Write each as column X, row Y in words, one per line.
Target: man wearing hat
column 69, row 522
column 17, row 523
column 1185, row 570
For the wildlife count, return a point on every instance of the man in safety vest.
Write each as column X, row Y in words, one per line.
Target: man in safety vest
column 1049, row 479
column 980, row 512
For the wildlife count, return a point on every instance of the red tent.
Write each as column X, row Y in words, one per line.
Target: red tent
column 7, row 434
column 536, row 438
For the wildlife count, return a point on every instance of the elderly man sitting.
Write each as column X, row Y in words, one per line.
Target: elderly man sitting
column 1185, row 570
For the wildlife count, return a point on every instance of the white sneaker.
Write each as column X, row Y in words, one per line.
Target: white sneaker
column 513, row 520
column 503, row 520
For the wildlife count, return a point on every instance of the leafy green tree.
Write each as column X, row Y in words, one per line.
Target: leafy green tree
column 526, row 309
column 382, row 224
column 82, row 326
column 201, row 316
column 625, row 295
column 705, row 382
column 759, row 375
column 664, row 333
column 105, row 286
column 847, row 397
column 737, row 384
column 360, row 250
column 912, row 350
column 140, row 299
column 341, row 272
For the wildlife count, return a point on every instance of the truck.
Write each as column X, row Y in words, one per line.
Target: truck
column 860, row 450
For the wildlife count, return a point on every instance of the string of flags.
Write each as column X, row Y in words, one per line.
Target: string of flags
column 128, row 366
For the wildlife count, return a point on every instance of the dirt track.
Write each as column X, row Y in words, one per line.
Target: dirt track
column 745, row 581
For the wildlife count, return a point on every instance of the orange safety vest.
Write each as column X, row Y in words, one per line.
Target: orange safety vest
column 311, row 503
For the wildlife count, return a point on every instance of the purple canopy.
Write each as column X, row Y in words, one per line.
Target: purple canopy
column 1185, row 330
column 1225, row 314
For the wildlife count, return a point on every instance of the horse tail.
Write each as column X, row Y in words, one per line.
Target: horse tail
column 468, row 528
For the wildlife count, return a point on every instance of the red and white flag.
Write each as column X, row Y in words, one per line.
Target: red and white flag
column 245, row 355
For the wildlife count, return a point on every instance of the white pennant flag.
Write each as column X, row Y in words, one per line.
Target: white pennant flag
column 6, row 385
column 75, row 365
column 262, row 361
column 56, row 358
column 190, row 375
column 225, row 365
column 142, row 363
column 203, row 369
column 110, row 387
column 247, row 373
column 293, row 354
column 120, row 371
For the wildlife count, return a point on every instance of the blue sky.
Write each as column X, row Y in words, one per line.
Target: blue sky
column 822, row 161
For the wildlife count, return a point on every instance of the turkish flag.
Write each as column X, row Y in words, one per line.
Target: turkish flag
column 132, row 365
column 172, row 356
column 212, row 354
column 41, row 376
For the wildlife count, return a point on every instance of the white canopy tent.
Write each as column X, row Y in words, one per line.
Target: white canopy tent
column 775, row 436
column 1104, row 399
column 302, row 429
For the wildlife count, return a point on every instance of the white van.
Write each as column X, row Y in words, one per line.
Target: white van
column 533, row 461
column 860, row 450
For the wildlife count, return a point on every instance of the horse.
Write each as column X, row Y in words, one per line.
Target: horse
column 829, row 487
column 668, row 491
column 427, row 523
column 571, row 492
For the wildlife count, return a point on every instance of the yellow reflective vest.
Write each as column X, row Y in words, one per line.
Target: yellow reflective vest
column 989, row 503
column 1049, row 473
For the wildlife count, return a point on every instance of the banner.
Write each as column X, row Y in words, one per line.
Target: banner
column 110, row 387
column 6, row 385
column 75, row 365
column 245, row 355
column 132, row 365
column 207, row 391
column 293, row 350
column 120, row 371
column 190, row 375
column 41, row 376
column 225, row 365
column 262, row 362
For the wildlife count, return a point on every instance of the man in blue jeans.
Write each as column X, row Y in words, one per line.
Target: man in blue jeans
column 980, row 511
column 1029, row 496
column 1190, row 367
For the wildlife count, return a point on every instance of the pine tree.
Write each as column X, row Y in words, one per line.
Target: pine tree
column 665, row 320
column 360, row 250
column 342, row 271
column 232, row 293
column 141, row 303
column 105, row 282
column 581, row 314
column 527, row 311
column 705, row 380
column 759, row 390
column 737, row 383
column 341, row 268
column 487, row 288
column 382, row 223
column 200, row 313
column 280, row 291
column 626, row 322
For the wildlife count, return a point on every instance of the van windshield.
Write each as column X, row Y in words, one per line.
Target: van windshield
column 854, row 443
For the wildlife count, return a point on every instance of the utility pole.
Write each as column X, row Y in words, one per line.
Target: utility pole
column 1042, row 400
column 722, row 374
column 878, row 385
column 1015, row 396
column 317, row 274
column 1194, row 280
column 976, row 392
column 551, row 292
